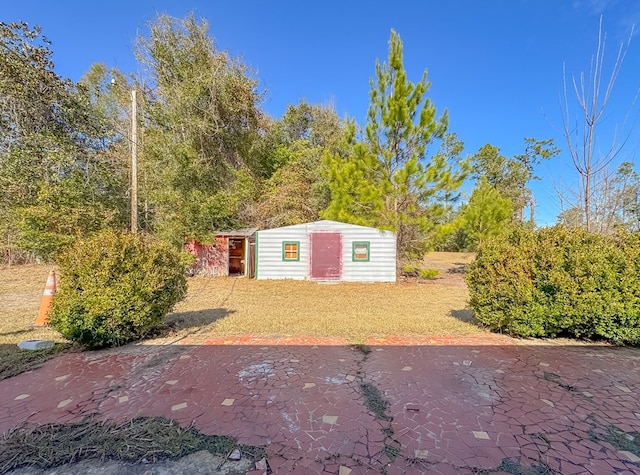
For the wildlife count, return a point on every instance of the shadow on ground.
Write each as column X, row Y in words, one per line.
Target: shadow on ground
column 457, row 268
column 466, row 315
column 477, row 404
column 201, row 318
column 23, row 331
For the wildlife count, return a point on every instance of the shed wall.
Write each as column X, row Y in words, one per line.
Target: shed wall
column 269, row 263
column 212, row 259
column 381, row 266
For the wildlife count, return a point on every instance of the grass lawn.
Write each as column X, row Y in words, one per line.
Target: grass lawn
column 21, row 290
column 238, row 306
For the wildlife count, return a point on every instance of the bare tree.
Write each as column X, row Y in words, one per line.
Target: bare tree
column 592, row 94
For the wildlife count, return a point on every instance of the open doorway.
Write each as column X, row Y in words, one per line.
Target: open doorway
column 236, row 256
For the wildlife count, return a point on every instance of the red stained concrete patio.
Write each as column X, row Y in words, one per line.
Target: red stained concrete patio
column 444, row 405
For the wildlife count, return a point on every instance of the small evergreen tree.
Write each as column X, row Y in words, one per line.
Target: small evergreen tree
column 387, row 179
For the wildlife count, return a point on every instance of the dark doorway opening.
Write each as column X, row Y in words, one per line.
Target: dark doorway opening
column 236, row 256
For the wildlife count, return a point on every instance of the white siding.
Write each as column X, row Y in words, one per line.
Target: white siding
column 382, row 252
column 269, row 263
column 382, row 255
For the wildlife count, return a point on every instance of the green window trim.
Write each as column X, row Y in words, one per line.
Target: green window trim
column 255, row 258
column 288, row 248
column 362, row 245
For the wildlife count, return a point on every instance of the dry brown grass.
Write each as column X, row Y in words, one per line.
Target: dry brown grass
column 448, row 261
column 227, row 306
column 148, row 439
column 20, row 294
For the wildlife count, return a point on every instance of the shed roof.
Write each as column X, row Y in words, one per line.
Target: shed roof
column 244, row 232
column 329, row 223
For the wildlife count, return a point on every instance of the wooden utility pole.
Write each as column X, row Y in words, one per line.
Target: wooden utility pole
column 134, row 162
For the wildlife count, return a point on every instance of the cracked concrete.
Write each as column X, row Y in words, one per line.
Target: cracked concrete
column 453, row 405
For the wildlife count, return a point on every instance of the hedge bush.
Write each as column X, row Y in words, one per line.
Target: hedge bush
column 559, row 282
column 116, row 288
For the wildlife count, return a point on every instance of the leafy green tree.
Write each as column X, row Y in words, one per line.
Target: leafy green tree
column 387, row 178
column 314, row 124
column 626, row 185
column 298, row 191
column 202, row 125
column 54, row 184
column 487, row 214
column 510, row 175
column 572, row 217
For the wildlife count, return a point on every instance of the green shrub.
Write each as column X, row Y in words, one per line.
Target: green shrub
column 116, row 288
column 559, row 282
column 410, row 270
column 428, row 274
column 413, row 269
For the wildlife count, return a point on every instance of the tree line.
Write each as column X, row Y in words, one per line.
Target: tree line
column 211, row 159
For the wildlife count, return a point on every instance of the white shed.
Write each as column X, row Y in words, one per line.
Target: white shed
column 326, row 250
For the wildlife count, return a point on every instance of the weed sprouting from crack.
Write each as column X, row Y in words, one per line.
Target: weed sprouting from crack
column 515, row 468
column 362, row 348
column 391, row 451
column 374, row 401
column 378, row 406
column 418, row 463
column 567, row 387
column 544, row 438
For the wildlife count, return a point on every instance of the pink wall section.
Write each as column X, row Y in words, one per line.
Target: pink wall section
column 211, row 259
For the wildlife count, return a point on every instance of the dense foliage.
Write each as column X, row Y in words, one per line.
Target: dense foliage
column 209, row 157
column 202, row 127
column 116, row 288
column 559, row 282
column 58, row 180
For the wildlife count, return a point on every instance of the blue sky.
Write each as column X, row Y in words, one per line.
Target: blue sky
column 496, row 65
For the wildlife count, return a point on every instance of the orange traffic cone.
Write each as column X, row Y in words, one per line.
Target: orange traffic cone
column 47, row 299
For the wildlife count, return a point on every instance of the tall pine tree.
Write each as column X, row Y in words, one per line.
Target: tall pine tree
column 387, row 179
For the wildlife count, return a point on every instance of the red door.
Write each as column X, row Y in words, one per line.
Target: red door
column 326, row 252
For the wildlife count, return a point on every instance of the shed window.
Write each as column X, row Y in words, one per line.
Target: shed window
column 291, row 251
column 361, row 251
